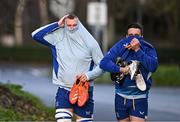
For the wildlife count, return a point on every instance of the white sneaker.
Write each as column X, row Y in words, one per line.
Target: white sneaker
column 140, row 82
column 133, row 68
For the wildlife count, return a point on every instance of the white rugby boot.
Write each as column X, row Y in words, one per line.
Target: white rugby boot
column 140, row 83
column 136, row 75
column 133, row 68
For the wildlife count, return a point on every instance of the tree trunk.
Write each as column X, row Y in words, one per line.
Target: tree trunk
column 18, row 22
column 80, row 9
column 43, row 11
column 111, row 31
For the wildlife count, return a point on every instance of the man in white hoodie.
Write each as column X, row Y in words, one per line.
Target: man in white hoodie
column 76, row 55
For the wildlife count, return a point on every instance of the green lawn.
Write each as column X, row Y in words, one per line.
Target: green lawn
column 167, row 75
column 17, row 105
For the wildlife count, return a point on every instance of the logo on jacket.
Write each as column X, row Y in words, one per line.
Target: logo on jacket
column 125, row 45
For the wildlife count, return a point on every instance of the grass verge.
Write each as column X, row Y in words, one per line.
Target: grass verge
column 17, row 105
column 167, row 75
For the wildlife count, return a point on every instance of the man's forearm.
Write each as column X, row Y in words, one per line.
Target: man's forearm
column 96, row 72
column 149, row 62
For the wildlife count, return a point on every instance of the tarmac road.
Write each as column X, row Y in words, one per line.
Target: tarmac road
column 163, row 102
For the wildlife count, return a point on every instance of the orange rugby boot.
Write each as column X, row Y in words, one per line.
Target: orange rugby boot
column 73, row 96
column 83, row 93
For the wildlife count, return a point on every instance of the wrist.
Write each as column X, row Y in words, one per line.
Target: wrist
column 86, row 76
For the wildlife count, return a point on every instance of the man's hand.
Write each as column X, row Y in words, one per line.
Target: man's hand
column 61, row 22
column 82, row 77
column 124, row 70
column 134, row 45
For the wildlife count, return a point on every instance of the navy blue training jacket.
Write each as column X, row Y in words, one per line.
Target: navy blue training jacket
column 147, row 57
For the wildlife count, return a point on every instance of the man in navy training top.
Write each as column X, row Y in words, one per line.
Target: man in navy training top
column 131, row 96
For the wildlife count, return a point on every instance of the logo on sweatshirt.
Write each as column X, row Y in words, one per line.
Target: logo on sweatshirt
column 125, row 44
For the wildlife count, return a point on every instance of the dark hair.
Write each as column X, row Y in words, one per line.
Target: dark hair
column 71, row 16
column 135, row 25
